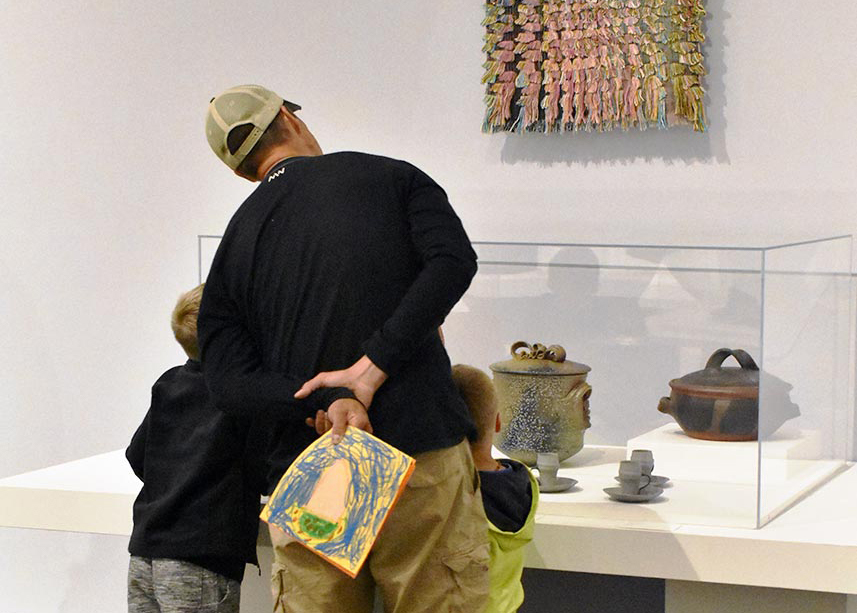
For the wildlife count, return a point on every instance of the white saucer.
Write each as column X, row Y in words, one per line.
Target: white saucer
column 657, row 480
column 649, row 492
column 562, row 484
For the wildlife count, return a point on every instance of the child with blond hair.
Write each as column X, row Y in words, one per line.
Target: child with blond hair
column 196, row 517
column 510, row 493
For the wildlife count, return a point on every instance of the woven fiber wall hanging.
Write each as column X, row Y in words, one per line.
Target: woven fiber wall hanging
column 564, row 66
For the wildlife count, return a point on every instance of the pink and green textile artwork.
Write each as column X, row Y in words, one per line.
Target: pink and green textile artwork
column 563, row 66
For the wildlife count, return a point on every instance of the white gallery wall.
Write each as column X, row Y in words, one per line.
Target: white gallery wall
column 107, row 180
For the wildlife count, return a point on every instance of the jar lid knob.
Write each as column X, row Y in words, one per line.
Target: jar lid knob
column 537, row 351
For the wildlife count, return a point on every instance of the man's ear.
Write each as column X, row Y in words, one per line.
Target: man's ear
column 291, row 120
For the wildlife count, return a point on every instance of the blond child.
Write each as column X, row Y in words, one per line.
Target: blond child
column 196, row 517
column 510, row 493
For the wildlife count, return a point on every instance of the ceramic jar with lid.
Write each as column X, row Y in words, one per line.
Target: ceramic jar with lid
column 544, row 402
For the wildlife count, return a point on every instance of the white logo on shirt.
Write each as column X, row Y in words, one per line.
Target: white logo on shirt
column 276, row 174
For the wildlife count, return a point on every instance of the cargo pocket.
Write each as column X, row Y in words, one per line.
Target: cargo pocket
column 217, row 591
column 468, row 569
column 278, row 590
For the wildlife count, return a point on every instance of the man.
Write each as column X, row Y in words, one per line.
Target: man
column 346, row 264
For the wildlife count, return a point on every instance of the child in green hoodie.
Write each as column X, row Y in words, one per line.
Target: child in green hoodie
column 510, row 493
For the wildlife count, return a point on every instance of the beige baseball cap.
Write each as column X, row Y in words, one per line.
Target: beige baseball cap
column 237, row 106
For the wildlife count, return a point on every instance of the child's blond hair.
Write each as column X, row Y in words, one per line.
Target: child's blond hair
column 479, row 395
column 184, row 321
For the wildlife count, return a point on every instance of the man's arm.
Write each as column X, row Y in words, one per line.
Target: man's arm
column 363, row 378
column 448, row 266
column 233, row 367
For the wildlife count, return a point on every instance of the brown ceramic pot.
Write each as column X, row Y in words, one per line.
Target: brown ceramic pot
column 717, row 403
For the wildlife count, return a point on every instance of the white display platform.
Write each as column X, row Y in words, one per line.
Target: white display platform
column 683, row 501
column 714, row 470
column 93, row 494
column 813, row 546
column 683, row 457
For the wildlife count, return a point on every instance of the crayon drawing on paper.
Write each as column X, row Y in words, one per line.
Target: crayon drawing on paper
column 334, row 498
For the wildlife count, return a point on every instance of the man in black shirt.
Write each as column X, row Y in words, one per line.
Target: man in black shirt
column 346, row 264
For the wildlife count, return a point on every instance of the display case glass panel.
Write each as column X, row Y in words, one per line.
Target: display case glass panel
column 642, row 316
column 206, row 248
column 806, row 333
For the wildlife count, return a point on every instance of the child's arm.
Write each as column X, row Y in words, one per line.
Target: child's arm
column 136, row 451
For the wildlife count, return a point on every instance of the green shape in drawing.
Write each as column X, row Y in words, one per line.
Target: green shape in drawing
column 315, row 526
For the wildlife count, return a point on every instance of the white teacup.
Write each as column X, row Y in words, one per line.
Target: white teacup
column 631, row 477
column 548, row 465
column 646, row 459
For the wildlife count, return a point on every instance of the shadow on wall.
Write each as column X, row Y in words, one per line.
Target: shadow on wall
column 637, row 325
column 678, row 144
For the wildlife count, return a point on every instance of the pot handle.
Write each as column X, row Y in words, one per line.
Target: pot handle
column 717, row 358
column 580, row 392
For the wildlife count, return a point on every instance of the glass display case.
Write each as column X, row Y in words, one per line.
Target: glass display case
column 206, row 247
column 642, row 316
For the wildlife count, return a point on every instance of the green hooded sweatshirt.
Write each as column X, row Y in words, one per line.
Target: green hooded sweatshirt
column 507, row 560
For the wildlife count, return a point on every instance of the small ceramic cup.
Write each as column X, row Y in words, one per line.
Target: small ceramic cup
column 646, row 460
column 548, row 465
column 631, row 477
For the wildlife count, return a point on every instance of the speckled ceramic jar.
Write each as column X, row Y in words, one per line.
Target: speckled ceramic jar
column 544, row 402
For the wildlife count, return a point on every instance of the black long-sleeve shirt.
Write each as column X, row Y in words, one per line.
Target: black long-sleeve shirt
column 330, row 258
column 201, row 485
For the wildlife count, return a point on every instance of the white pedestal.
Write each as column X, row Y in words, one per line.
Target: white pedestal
column 683, row 502
column 695, row 597
column 578, row 531
column 679, row 456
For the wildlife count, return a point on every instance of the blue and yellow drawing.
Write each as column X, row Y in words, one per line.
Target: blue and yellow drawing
column 335, row 498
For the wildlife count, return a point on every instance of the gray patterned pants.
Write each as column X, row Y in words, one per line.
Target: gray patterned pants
column 161, row 585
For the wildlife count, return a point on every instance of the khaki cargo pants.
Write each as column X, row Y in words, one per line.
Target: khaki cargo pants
column 431, row 555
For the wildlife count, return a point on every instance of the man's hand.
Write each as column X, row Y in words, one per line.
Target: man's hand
column 341, row 414
column 320, row 422
column 363, row 378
